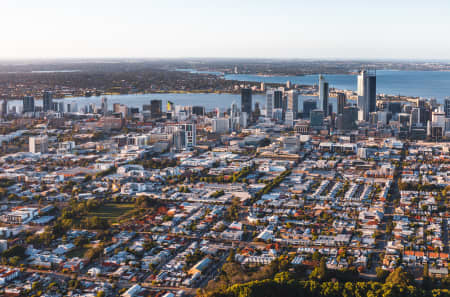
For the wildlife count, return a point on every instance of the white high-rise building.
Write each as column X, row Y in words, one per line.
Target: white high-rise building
column 191, row 134
column 292, row 102
column 220, row 125
column 38, row 144
column 438, row 119
column 243, row 120
column 289, row 118
column 71, row 107
column 367, row 93
column 234, row 117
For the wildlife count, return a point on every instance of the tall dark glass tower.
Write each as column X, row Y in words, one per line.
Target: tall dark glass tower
column 246, row 101
column 277, row 99
column 47, row 99
column 341, row 101
column 28, row 104
column 156, row 108
column 323, row 95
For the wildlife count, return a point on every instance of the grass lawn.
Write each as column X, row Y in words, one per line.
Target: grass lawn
column 78, row 252
column 112, row 211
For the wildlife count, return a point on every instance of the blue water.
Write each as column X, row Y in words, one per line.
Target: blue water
column 199, row 71
column 426, row 84
column 210, row 101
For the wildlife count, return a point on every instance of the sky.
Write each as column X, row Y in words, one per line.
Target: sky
column 303, row 29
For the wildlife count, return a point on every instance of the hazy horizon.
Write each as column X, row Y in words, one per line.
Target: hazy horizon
column 289, row 29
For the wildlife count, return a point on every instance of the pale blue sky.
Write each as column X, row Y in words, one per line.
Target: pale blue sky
column 227, row 28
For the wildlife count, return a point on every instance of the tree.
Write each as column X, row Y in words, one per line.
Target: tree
column 426, row 270
column 399, row 277
column 426, row 282
column 230, row 257
column 381, row 274
column 320, row 272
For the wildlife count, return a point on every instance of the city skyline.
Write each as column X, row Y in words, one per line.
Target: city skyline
column 156, row 29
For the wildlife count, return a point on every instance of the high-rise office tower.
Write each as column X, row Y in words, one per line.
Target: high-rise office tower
column 246, row 100
column 60, row 107
column 292, row 102
column 234, row 109
column 323, row 95
column 289, row 118
column 257, row 111
column 341, row 101
column 190, row 134
column 346, row 120
column 105, row 106
column 170, row 106
column 277, row 99
column 269, row 103
column 415, row 116
column 447, row 107
column 156, row 108
column 28, row 104
column 220, row 125
column 47, row 99
column 367, row 93
column 308, row 105
column 122, row 109
column 284, row 106
column 316, row 118
column 234, row 116
column 198, row 110
column 38, row 144
column 395, row 107
column 4, row 111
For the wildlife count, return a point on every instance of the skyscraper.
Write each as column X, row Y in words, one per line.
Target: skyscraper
column 292, row 102
column 156, row 108
column 308, row 105
column 38, row 144
column 246, row 100
column 415, row 116
column 257, row 111
column 367, row 93
column 121, row 108
column 105, row 106
column 277, row 99
column 4, row 111
column 269, row 103
column 198, row 110
column 289, row 118
column 316, row 118
column 447, row 107
column 47, row 99
column 220, row 125
column 170, row 106
column 28, row 104
column 190, row 134
column 341, row 101
column 346, row 120
column 323, row 95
